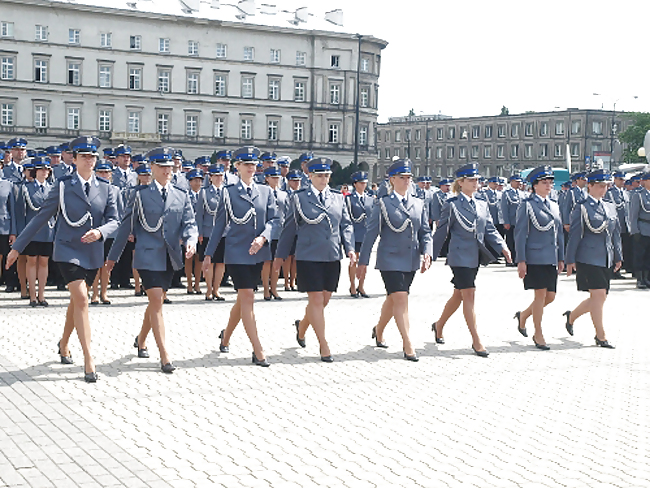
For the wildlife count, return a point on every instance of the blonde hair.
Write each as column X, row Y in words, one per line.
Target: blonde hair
column 455, row 188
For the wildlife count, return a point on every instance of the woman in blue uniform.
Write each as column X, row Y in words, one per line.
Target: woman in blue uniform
column 160, row 217
column 401, row 220
column 269, row 274
column 359, row 205
column 81, row 202
column 249, row 213
column 466, row 221
column 193, row 264
column 539, row 239
column 294, row 181
column 319, row 217
column 206, row 213
column 593, row 252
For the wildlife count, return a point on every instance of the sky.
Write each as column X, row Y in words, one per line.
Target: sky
column 469, row 58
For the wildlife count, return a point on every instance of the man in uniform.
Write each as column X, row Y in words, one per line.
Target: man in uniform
column 640, row 230
column 617, row 195
column 122, row 173
column 304, row 163
column 14, row 171
column 493, row 198
column 66, row 166
column 510, row 200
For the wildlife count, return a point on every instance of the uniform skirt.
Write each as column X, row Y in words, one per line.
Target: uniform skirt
column 464, row 278
column 590, row 277
column 245, row 276
column 38, row 248
column 217, row 257
column 71, row 272
column 5, row 247
column 357, row 246
column 397, row 280
column 274, row 247
column 540, row 277
column 318, row 275
column 157, row 279
column 107, row 246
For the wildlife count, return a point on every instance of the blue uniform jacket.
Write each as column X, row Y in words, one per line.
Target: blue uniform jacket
column 206, row 210
column 7, row 208
column 510, row 200
column 640, row 212
column 539, row 237
column 29, row 203
column 359, row 209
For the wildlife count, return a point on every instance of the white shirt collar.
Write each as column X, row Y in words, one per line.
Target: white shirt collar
column 216, row 188
column 246, row 187
column 83, row 182
column 468, row 198
column 594, row 199
column 316, row 192
column 360, row 195
column 160, row 187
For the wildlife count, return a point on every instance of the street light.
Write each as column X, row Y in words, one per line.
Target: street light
column 613, row 129
column 426, row 146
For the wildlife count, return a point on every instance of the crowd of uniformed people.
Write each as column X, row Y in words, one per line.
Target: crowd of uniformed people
column 244, row 218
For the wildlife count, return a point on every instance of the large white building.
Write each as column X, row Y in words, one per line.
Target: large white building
column 211, row 79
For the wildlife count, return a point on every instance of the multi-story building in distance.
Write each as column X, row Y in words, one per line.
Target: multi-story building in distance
column 212, row 79
column 438, row 145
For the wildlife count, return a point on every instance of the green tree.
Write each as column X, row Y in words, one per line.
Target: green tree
column 504, row 111
column 341, row 176
column 633, row 136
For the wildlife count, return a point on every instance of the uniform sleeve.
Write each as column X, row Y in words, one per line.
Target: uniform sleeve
column 575, row 235
column 424, row 234
column 493, row 237
column 289, row 229
column 635, row 207
column 522, row 227
column 190, row 233
column 505, row 211
column 442, row 230
column 48, row 210
column 111, row 215
column 200, row 211
column 372, row 232
column 346, row 230
column 272, row 219
column 218, row 227
column 19, row 211
column 616, row 241
column 124, row 230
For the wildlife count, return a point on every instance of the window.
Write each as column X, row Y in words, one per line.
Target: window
column 364, row 95
column 397, row 152
column 451, row 133
column 487, row 152
column 474, row 152
column 7, row 68
column 398, row 136
column 40, row 116
column 106, row 39
column 135, row 42
column 438, row 153
column 501, row 130
column 73, row 118
column 559, row 128
column 74, row 73
column 74, row 36
column 365, row 65
column 335, row 94
column 299, row 91
column 500, row 152
column 6, row 29
column 575, row 150
column 40, row 71
column 193, row 48
column 387, row 136
column 450, row 171
column 7, row 114
column 529, row 128
column 134, row 122
column 41, row 33
column 301, row 58
column 247, row 83
column 418, row 153
column 105, row 76
column 191, row 125
column 514, row 151
column 462, row 152
column 450, row 152
column 363, row 137
column 514, row 130
column 274, row 89
column 334, row 133
column 387, row 154
column 418, row 134
column 249, row 53
column 275, row 56
column 335, row 61
column 298, row 131
column 272, row 132
column 219, row 128
column 220, row 85
column 246, row 129
column 192, row 83
column 543, row 150
column 221, row 51
column 163, row 45
column 408, row 134
column 440, row 132
column 597, row 127
column 135, row 78
column 164, row 80
column 488, row 131
column 543, row 129
column 575, row 127
column 557, row 152
column 476, row 131
column 104, row 120
column 163, row 123
column 528, row 151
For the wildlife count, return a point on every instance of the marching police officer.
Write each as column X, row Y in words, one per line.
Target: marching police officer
column 13, row 171
column 66, row 166
column 618, row 196
column 492, row 196
column 304, row 159
column 438, row 200
column 359, row 205
column 510, row 200
column 576, row 194
column 8, row 229
column 269, row 274
column 122, row 175
column 640, row 230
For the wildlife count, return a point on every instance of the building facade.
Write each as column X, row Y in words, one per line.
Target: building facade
column 146, row 79
column 438, row 145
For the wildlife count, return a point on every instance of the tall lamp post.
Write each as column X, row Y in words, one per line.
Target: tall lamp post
column 613, row 130
column 356, row 105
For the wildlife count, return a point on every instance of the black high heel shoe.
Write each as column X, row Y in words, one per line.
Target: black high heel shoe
column 90, row 377
column 542, row 347
column 569, row 325
column 268, row 298
column 413, row 358
column 327, row 359
column 223, row 348
column 142, row 353
column 481, row 354
column 604, row 344
column 355, row 294
column 434, row 328
column 168, row 368
column 378, row 343
column 257, row 362
column 363, row 294
column 301, row 342
column 65, row 359
column 276, row 297
column 523, row 331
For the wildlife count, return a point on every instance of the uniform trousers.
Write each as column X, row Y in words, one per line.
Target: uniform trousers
column 510, row 241
column 121, row 274
column 628, row 252
column 641, row 252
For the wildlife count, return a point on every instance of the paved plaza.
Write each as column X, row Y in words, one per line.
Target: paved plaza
column 575, row 416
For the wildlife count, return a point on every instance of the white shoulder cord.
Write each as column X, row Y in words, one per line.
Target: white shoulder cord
column 587, row 222
column 50, row 223
column 206, row 205
column 390, row 225
column 535, row 222
column 317, row 220
column 462, row 220
column 239, row 221
column 79, row 222
column 510, row 199
column 143, row 220
column 641, row 203
column 360, row 218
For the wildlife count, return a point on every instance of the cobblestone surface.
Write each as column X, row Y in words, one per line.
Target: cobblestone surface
column 576, row 416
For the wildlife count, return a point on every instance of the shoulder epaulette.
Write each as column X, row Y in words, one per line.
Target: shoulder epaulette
column 65, row 178
column 103, row 180
column 300, row 191
column 335, row 191
column 139, row 187
column 229, row 185
column 452, row 199
column 179, row 188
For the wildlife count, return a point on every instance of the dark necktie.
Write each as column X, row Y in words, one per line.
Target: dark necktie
column 249, row 190
column 40, row 187
column 546, row 204
column 473, row 204
column 164, row 194
column 321, row 199
column 404, row 202
column 87, row 188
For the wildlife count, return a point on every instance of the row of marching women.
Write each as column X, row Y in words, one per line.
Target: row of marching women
column 250, row 230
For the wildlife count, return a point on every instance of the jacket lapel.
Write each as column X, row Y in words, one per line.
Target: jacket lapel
column 313, row 199
column 77, row 188
column 243, row 193
column 467, row 206
column 156, row 196
column 94, row 191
